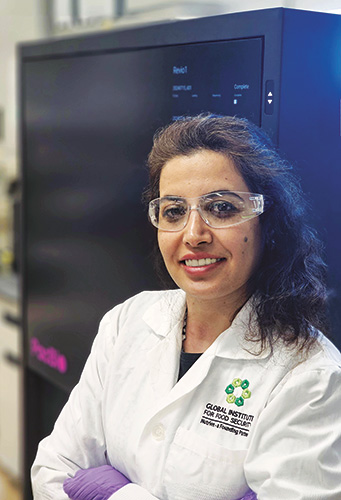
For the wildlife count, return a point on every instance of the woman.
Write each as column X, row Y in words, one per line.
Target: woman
column 224, row 386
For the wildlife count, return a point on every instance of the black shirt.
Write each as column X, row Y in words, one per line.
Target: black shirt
column 187, row 359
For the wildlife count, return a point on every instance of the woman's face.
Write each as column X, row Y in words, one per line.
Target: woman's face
column 237, row 248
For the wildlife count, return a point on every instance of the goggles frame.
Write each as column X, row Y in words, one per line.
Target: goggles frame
column 254, row 203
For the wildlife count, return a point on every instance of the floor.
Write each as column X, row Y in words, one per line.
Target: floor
column 8, row 489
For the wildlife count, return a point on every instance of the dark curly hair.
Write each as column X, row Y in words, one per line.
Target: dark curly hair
column 290, row 280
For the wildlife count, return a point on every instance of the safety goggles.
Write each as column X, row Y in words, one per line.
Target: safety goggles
column 220, row 209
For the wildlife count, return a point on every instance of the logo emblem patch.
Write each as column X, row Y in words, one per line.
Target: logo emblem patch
column 242, row 391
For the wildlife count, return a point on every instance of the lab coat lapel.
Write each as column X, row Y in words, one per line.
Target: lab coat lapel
column 165, row 318
column 164, row 372
column 163, row 362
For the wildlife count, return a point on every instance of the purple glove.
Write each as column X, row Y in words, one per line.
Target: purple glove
column 98, row 483
column 249, row 496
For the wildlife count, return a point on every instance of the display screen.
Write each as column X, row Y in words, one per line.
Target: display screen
column 88, row 123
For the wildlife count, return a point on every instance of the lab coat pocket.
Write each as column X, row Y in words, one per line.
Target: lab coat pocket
column 197, row 468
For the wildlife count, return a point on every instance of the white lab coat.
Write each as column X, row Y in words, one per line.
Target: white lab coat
column 184, row 440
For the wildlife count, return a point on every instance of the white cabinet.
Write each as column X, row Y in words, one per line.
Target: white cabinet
column 10, row 389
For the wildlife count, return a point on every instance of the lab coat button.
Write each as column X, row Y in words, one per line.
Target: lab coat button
column 158, row 432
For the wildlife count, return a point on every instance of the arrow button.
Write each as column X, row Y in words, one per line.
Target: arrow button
column 269, row 97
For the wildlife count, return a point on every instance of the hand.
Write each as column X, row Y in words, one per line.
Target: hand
column 97, row 483
column 249, row 496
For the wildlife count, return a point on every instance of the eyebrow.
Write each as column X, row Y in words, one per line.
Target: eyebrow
column 218, row 191
column 215, row 192
column 222, row 192
column 172, row 197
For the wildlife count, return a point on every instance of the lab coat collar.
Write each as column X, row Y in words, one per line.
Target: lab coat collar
column 167, row 313
column 232, row 342
column 166, row 316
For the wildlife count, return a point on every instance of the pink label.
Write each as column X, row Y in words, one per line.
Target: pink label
column 49, row 356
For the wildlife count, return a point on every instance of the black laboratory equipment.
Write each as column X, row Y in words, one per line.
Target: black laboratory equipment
column 89, row 107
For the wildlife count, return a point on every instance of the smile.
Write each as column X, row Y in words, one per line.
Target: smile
column 201, row 262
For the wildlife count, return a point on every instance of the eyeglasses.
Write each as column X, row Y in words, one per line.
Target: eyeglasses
column 219, row 209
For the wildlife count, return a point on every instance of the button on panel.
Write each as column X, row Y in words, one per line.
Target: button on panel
column 269, row 97
column 158, row 432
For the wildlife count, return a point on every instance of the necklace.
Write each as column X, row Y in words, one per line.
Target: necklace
column 184, row 325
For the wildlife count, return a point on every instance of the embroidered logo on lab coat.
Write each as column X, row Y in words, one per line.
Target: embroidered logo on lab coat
column 238, row 396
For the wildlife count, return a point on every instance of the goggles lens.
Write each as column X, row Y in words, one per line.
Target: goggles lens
column 220, row 209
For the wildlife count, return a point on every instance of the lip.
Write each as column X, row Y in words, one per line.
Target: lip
column 201, row 270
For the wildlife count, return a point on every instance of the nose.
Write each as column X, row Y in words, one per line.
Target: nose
column 196, row 231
